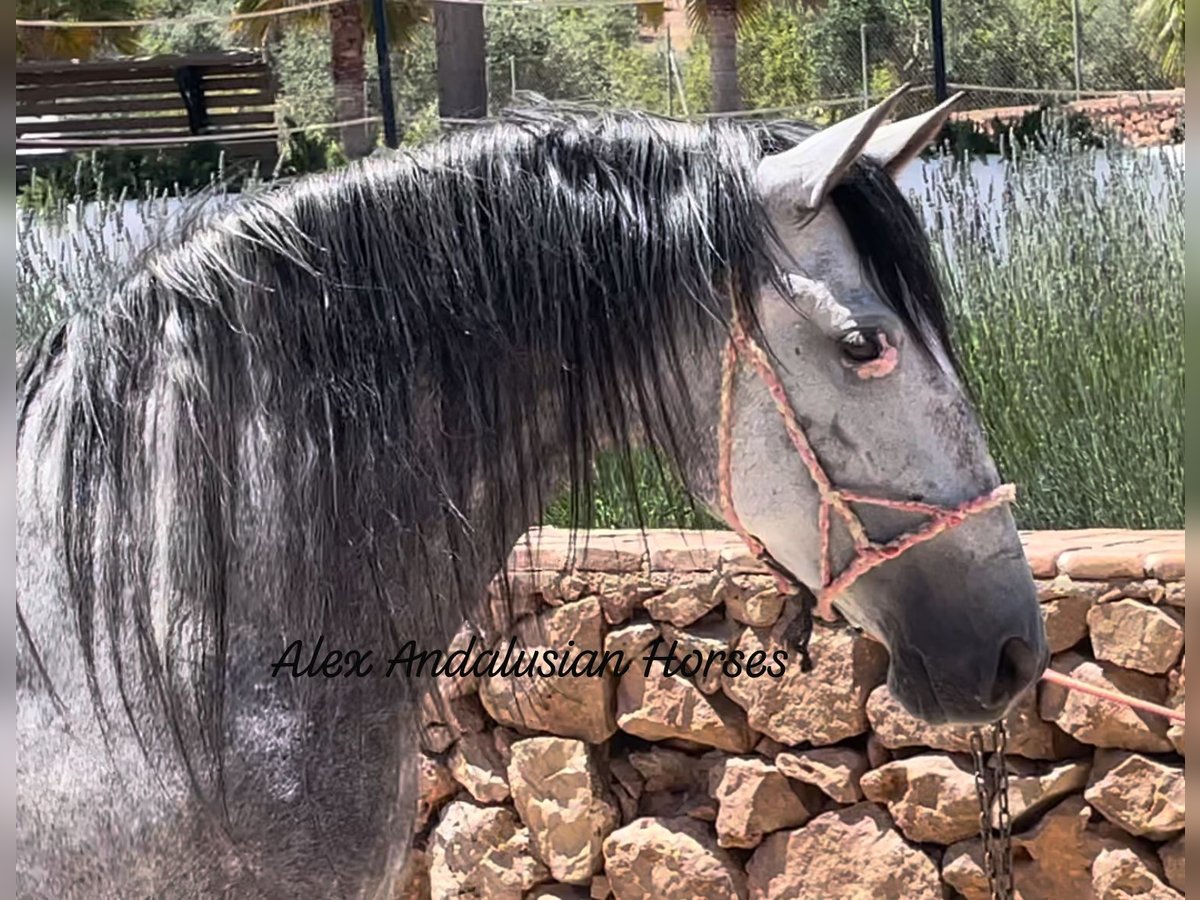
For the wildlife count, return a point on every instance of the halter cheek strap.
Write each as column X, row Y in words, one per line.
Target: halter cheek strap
column 867, row 554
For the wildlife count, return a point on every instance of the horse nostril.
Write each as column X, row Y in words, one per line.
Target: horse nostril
column 1018, row 667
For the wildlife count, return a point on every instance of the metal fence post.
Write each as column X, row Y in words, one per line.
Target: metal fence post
column 385, row 77
column 940, row 91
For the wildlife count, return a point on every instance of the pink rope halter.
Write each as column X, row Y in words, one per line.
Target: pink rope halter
column 868, row 554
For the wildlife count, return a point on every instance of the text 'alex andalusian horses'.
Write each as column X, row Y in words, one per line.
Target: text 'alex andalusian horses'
column 333, row 409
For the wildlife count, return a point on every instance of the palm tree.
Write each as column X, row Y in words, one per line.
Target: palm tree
column 462, row 81
column 74, row 43
column 720, row 19
column 1165, row 19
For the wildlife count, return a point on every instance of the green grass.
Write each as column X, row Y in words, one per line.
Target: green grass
column 1070, row 332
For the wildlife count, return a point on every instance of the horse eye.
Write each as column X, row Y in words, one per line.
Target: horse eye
column 862, row 346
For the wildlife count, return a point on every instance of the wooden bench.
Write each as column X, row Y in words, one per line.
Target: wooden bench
column 66, row 107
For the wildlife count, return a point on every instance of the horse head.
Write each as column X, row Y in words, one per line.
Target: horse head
column 884, row 440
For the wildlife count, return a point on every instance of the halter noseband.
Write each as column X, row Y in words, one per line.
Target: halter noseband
column 868, row 554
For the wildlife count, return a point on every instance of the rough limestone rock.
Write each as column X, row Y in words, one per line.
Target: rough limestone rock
column 824, row 706
column 1028, row 734
column 1065, row 605
column 1176, row 697
column 519, row 597
column 670, row 859
column 932, row 796
column 559, row 892
column 835, row 771
column 1064, row 586
column 1136, row 635
column 657, row 707
column 1143, row 796
column 754, row 799
column 682, row 604
column 436, row 739
column 752, row 600
column 1065, row 620
column 1120, row 874
column 849, row 854
column 1052, row 860
column 1171, row 854
column 620, row 602
column 436, row 786
column 631, row 641
column 566, row 707
column 460, row 655
column 481, row 851
column 962, row 869
column 1105, row 723
column 1175, row 594
column 561, row 797
column 477, row 766
column 702, row 641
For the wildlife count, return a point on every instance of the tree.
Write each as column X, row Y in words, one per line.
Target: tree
column 74, row 43
column 349, row 24
column 1165, row 20
column 720, row 21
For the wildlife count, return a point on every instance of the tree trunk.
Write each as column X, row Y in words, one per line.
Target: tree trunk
column 461, row 60
column 722, row 26
column 349, row 76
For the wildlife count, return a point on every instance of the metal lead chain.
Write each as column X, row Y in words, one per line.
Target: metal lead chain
column 995, row 824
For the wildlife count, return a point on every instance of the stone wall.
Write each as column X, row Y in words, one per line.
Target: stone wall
column 1142, row 119
column 810, row 785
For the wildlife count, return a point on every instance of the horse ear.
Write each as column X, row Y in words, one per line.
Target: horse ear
column 800, row 177
column 894, row 146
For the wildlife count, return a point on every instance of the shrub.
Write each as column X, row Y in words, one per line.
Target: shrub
column 1067, row 293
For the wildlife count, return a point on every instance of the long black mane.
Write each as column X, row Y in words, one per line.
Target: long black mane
column 340, row 361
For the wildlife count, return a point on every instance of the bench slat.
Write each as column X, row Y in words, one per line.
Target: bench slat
column 143, row 104
column 257, row 80
column 116, row 126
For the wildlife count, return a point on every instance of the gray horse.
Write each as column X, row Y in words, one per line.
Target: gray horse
column 330, row 412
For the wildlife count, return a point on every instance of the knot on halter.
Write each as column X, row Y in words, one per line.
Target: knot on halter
column 867, row 553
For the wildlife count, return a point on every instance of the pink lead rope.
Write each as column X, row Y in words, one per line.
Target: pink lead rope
column 868, row 554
